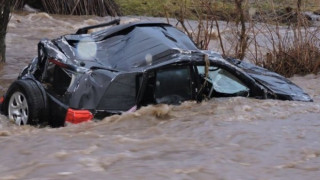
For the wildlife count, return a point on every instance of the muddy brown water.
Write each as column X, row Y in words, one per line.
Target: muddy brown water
column 222, row 139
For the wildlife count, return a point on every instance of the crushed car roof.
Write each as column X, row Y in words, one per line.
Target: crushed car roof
column 126, row 47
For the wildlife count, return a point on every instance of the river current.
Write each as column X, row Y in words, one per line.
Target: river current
column 221, row 139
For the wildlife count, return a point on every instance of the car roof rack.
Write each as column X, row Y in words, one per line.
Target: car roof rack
column 84, row 30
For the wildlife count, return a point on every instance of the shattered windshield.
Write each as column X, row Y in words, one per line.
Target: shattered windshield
column 222, row 81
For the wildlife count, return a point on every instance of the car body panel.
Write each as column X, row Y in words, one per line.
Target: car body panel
column 280, row 86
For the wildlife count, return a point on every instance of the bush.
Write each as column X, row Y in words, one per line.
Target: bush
column 295, row 47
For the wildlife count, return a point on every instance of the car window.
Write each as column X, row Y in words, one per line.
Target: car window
column 173, row 85
column 223, row 81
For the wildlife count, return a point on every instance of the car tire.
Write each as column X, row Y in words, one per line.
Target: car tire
column 24, row 103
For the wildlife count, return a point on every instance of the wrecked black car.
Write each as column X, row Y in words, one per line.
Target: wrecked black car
column 82, row 76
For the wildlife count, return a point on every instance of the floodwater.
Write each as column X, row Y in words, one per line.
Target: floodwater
column 222, row 139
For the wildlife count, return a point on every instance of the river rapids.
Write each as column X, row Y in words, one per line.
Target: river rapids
column 221, row 139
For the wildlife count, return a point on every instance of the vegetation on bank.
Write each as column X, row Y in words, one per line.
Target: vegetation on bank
column 224, row 8
column 73, row 7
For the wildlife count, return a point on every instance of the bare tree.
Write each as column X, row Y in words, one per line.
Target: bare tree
column 5, row 7
column 243, row 39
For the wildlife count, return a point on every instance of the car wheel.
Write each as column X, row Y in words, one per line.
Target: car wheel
column 25, row 103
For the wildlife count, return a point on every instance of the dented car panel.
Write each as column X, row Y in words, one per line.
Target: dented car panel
column 277, row 85
column 132, row 65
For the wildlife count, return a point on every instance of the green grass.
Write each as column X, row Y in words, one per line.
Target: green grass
column 267, row 5
column 143, row 7
column 161, row 7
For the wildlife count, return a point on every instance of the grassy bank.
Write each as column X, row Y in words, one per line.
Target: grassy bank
column 161, row 8
column 225, row 7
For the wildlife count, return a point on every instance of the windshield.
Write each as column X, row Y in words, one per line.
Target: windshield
column 222, row 82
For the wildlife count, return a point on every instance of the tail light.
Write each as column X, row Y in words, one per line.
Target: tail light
column 1, row 99
column 59, row 63
column 78, row 116
column 62, row 65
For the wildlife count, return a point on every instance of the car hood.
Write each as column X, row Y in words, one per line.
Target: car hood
column 278, row 85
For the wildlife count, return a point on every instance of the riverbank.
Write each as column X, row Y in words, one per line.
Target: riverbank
column 222, row 9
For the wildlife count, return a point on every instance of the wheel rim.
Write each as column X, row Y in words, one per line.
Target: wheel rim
column 18, row 108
